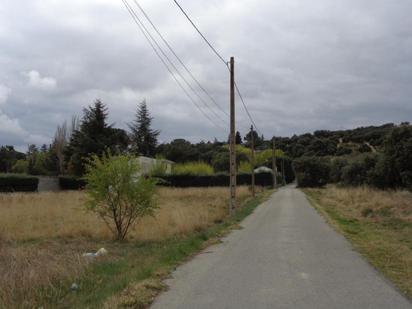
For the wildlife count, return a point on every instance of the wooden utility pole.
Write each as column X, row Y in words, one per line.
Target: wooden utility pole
column 274, row 167
column 232, row 205
column 283, row 171
column 252, row 163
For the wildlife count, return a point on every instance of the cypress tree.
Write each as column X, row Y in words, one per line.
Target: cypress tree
column 143, row 137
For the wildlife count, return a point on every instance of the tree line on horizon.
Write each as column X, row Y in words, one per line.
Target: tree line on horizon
column 348, row 154
column 73, row 145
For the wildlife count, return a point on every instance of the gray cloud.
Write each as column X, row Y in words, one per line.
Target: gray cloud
column 301, row 65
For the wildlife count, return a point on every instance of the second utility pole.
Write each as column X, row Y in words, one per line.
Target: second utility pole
column 253, row 159
column 274, row 167
column 232, row 205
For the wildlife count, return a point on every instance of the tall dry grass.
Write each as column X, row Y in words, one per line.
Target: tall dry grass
column 62, row 214
column 353, row 201
column 42, row 236
column 34, row 272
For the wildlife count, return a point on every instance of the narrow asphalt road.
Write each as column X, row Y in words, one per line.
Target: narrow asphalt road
column 286, row 256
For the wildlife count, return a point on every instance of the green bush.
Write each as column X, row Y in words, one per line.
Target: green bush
column 71, row 183
column 360, row 170
column 20, row 167
column 396, row 162
column 118, row 193
column 193, row 168
column 311, row 171
column 336, row 167
column 245, row 167
column 18, row 183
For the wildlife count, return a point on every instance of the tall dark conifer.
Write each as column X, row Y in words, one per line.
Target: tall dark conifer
column 143, row 137
column 95, row 136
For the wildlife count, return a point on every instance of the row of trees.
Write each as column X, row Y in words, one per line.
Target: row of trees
column 73, row 146
column 92, row 134
column 390, row 167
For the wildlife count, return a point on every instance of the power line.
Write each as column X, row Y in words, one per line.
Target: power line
column 140, row 26
column 246, row 109
column 178, row 58
column 222, row 59
column 173, row 65
column 201, row 34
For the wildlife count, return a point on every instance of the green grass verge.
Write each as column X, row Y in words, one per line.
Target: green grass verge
column 133, row 277
column 386, row 244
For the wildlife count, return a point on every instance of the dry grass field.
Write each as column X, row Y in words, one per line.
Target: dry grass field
column 52, row 215
column 379, row 224
column 42, row 236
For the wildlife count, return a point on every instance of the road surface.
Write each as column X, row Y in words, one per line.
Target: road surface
column 286, row 256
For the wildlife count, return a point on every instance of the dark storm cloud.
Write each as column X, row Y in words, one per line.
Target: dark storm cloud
column 301, row 65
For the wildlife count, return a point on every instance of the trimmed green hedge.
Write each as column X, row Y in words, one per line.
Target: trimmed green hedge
column 219, row 180
column 183, row 181
column 71, row 183
column 18, row 183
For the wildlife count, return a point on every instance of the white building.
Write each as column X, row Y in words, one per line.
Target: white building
column 148, row 164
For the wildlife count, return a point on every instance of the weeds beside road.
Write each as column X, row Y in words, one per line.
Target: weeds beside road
column 43, row 237
column 378, row 223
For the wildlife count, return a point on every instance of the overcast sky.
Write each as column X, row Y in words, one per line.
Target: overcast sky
column 301, row 65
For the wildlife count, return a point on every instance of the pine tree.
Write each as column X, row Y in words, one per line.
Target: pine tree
column 143, row 137
column 94, row 136
column 238, row 138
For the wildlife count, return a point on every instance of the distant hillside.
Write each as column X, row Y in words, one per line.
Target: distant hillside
column 335, row 143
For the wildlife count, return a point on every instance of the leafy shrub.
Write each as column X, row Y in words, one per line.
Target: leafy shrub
column 20, row 167
column 396, row 163
column 364, row 148
column 118, row 193
column 342, row 151
column 71, row 183
column 336, row 167
column 244, row 167
column 311, row 171
column 193, row 168
column 360, row 170
column 18, row 183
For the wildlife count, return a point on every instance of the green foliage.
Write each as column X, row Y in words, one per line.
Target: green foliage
column 342, row 151
column 221, row 161
column 41, row 162
column 217, row 180
column 18, row 183
column 143, row 137
column 20, row 167
column 364, row 148
column 71, row 183
column 118, row 193
column 179, row 150
column 397, row 157
column 325, row 143
column 359, row 171
column 258, row 140
column 244, row 167
column 193, row 168
column 321, row 147
column 336, row 167
column 311, row 171
column 94, row 137
column 238, row 138
column 390, row 169
column 8, row 158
